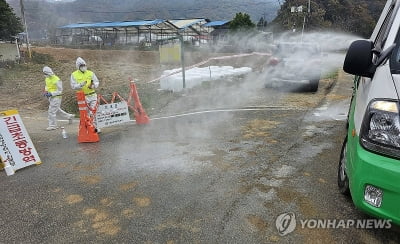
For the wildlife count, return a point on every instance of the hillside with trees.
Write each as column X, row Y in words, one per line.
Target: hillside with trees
column 356, row 16
column 352, row 16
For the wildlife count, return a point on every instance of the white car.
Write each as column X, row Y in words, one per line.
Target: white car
column 295, row 65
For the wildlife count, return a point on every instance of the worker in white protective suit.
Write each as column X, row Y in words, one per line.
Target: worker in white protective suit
column 85, row 80
column 53, row 91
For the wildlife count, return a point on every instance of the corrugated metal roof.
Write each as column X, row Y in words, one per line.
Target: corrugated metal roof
column 140, row 23
column 184, row 23
column 172, row 26
column 216, row 23
column 78, row 25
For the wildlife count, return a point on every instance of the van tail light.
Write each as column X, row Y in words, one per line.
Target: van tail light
column 380, row 130
column 273, row 61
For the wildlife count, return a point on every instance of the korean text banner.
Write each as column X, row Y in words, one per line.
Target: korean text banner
column 16, row 147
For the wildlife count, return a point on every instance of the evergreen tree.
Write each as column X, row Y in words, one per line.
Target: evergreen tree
column 241, row 22
column 10, row 24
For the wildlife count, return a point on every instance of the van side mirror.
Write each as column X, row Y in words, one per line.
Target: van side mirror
column 358, row 60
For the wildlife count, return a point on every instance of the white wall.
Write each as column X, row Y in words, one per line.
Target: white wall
column 8, row 52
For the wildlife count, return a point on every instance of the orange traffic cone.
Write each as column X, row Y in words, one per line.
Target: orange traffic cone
column 140, row 115
column 87, row 132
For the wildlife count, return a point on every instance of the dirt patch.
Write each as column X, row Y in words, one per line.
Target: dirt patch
column 259, row 223
column 102, row 223
column 74, row 198
column 91, row 179
column 300, row 99
column 128, row 186
column 142, row 201
column 258, row 128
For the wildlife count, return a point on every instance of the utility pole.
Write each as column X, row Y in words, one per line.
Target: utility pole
column 304, row 20
column 26, row 28
column 180, row 37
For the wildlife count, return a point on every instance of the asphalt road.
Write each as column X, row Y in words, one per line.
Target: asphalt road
column 220, row 175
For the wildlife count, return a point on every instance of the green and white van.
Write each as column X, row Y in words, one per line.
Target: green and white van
column 369, row 167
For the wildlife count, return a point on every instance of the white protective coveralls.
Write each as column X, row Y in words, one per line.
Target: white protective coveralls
column 87, row 81
column 76, row 84
column 53, row 91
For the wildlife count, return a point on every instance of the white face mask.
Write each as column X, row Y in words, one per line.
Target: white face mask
column 83, row 68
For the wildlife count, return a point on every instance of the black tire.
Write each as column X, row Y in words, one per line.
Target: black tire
column 313, row 86
column 343, row 180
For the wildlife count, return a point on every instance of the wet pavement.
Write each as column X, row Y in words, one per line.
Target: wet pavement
column 218, row 167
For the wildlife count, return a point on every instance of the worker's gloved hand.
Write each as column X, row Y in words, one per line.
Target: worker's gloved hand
column 91, row 85
column 47, row 94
